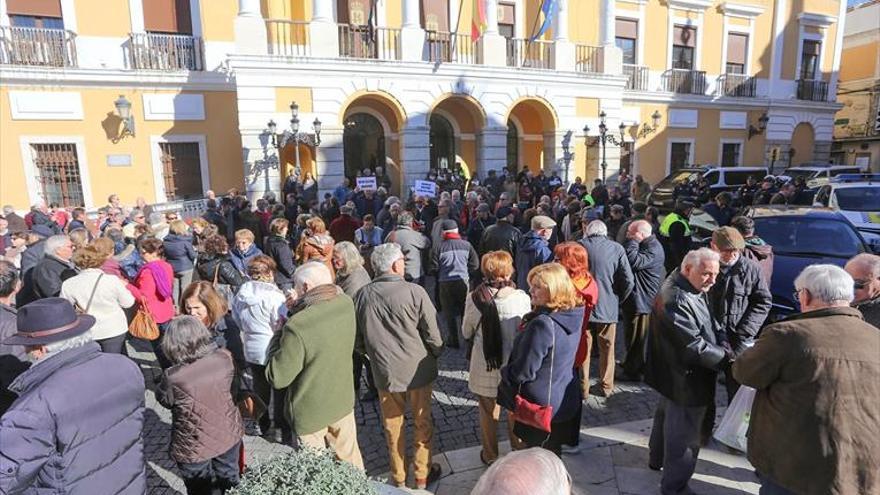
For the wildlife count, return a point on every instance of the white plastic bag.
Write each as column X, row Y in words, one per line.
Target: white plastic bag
column 735, row 423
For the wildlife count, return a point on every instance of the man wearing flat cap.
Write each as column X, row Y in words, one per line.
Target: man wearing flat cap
column 740, row 299
column 533, row 249
column 76, row 425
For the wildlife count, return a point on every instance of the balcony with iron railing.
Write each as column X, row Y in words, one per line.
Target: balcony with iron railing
column 737, row 85
column 443, row 47
column 812, row 89
column 37, row 46
column 288, row 38
column 166, row 52
column 529, row 54
column 685, row 81
column 369, row 42
column 588, row 59
column 636, row 77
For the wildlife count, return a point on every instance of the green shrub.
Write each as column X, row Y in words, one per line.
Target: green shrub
column 305, row 472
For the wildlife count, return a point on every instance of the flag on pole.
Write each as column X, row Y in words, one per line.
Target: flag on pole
column 548, row 9
column 478, row 22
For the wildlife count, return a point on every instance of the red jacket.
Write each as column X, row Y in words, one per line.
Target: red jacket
column 588, row 289
column 342, row 229
column 144, row 289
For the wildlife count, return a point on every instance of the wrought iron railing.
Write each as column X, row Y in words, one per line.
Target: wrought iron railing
column 812, row 89
column 37, row 46
column 369, row 42
column 637, row 77
column 588, row 59
column 168, row 52
column 532, row 54
column 288, row 38
column 739, row 85
column 685, row 81
column 443, row 47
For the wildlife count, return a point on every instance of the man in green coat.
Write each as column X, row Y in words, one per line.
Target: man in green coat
column 304, row 358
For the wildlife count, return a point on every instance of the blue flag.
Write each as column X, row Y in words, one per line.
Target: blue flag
column 549, row 9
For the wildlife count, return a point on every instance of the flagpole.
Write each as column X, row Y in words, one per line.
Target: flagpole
column 529, row 39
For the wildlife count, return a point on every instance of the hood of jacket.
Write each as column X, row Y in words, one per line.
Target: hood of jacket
column 569, row 320
column 531, row 241
column 253, row 250
column 42, row 370
column 254, row 292
column 761, row 251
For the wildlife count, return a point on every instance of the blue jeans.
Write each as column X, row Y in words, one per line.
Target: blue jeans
column 769, row 487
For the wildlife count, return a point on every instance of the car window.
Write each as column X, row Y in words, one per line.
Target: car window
column 712, row 177
column 738, row 178
column 809, row 236
column 858, row 198
column 795, row 173
column 675, row 178
column 836, row 172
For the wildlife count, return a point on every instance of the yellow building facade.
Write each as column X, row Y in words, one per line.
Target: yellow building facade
column 404, row 85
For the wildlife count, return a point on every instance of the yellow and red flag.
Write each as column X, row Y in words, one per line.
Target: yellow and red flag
column 478, row 22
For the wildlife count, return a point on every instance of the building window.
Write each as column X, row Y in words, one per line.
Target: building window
column 181, row 171
column 810, row 59
column 57, row 172
column 167, row 16
column 679, row 155
column 626, row 37
column 45, row 14
column 507, row 20
column 730, row 154
column 355, row 12
column 435, row 15
column 626, row 156
column 684, row 45
column 737, row 46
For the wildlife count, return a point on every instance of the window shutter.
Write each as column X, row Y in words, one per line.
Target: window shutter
column 626, row 28
column 685, row 36
column 737, row 45
column 37, row 8
column 167, row 16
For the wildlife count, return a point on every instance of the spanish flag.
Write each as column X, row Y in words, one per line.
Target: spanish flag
column 478, row 22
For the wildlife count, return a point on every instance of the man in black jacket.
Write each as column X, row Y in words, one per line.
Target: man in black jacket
column 45, row 279
column 740, row 299
column 683, row 359
column 502, row 236
column 646, row 259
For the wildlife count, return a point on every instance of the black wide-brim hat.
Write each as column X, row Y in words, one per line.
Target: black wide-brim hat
column 48, row 320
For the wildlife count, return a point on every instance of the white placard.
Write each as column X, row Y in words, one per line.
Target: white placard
column 425, row 188
column 366, row 183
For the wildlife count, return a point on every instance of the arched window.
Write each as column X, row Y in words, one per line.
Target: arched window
column 442, row 142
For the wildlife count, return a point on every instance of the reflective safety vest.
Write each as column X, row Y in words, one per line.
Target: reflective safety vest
column 670, row 220
column 588, row 198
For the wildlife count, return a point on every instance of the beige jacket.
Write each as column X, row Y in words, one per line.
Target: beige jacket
column 512, row 304
column 111, row 297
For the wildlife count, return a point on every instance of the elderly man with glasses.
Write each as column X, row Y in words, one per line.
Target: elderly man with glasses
column 865, row 270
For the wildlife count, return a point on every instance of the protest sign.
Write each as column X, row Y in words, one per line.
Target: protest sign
column 426, row 188
column 366, row 183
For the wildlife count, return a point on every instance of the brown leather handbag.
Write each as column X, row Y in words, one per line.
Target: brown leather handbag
column 143, row 326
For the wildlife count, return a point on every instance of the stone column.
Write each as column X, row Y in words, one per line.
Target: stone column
column 412, row 36
column 250, row 29
column 415, row 163
column 323, row 33
column 612, row 57
column 563, row 49
column 493, row 45
column 491, row 16
column 330, row 160
column 493, row 142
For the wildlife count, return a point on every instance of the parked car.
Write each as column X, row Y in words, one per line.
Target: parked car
column 720, row 179
column 803, row 236
column 857, row 197
column 817, row 175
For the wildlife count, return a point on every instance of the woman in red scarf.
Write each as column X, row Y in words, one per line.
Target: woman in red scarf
column 573, row 256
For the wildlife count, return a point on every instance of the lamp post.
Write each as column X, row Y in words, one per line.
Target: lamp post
column 279, row 141
column 123, row 109
column 604, row 138
column 762, row 125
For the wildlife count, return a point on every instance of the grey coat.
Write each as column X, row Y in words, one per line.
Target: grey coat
column 740, row 301
column 610, row 268
column 352, row 283
column 413, row 244
column 76, row 427
column 397, row 329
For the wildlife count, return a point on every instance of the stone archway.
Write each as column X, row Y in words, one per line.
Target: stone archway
column 372, row 122
column 536, row 134
column 465, row 118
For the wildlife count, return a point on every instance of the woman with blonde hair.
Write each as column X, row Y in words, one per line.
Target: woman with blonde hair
column 540, row 369
column 316, row 244
column 492, row 313
column 103, row 296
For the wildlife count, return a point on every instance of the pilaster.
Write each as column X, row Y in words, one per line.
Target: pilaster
column 415, row 144
column 250, row 29
column 493, row 142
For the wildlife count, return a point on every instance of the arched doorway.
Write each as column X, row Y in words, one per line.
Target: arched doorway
column 372, row 122
column 288, row 161
column 535, row 144
column 802, row 144
column 456, row 122
column 363, row 143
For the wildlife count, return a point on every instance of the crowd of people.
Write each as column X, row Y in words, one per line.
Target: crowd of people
column 257, row 306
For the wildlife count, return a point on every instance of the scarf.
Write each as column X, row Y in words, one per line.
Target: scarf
column 451, row 235
column 314, row 296
column 163, row 285
column 490, row 322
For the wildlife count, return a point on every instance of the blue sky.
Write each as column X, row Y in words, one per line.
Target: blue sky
column 854, row 2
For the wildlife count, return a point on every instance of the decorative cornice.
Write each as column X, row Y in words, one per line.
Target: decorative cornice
column 740, row 10
column 637, row 2
column 817, row 20
column 693, row 5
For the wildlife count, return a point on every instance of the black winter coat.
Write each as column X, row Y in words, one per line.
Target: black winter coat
column 277, row 248
column 44, row 280
column 683, row 355
column 646, row 259
column 740, row 302
column 500, row 237
column 226, row 273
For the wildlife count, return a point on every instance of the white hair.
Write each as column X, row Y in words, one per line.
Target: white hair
column 596, row 227
column 156, row 218
column 55, row 242
column 384, row 256
column 525, row 472
column 643, row 227
column 827, row 283
column 55, row 348
column 351, row 257
column 134, row 213
column 868, row 261
column 314, row 273
column 694, row 258
column 8, row 210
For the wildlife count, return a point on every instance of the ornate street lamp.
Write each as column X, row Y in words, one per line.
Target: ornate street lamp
column 646, row 129
column 762, row 125
column 279, row 141
column 603, row 139
column 123, row 109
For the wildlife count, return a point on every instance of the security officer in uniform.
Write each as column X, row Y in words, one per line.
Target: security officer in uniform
column 675, row 234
